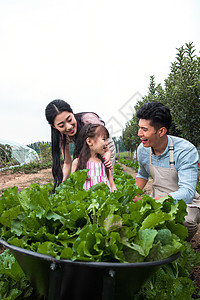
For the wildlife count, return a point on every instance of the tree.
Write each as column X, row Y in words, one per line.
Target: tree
column 130, row 135
column 45, row 152
column 119, row 144
column 183, row 93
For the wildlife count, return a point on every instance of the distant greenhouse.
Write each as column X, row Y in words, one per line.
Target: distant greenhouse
column 19, row 153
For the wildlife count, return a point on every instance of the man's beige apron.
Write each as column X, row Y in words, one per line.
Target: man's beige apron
column 165, row 181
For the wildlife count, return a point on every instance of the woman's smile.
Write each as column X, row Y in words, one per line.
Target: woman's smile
column 71, row 131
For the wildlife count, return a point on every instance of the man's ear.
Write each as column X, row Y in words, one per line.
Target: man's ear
column 89, row 141
column 162, row 131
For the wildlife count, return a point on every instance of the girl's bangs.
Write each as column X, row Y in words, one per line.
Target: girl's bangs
column 101, row 130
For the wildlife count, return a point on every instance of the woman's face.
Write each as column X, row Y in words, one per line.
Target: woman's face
column 65, row 122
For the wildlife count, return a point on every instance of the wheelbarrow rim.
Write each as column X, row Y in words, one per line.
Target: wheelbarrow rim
column 89, row 264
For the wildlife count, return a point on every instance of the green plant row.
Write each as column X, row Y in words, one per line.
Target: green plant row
column 130, row 163
column 32, row 167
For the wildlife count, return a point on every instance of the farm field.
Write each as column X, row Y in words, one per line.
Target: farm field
column 21, row 180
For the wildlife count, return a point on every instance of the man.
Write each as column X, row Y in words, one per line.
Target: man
column 170, row 160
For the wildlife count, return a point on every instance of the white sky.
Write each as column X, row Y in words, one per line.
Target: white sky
column 97, row 55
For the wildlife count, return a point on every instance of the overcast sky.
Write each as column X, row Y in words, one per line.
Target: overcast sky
column 97, row 55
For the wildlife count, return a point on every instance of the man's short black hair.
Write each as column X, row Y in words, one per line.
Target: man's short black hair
column 157, row 113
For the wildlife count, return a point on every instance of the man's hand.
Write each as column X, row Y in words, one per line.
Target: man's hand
column 137, row 197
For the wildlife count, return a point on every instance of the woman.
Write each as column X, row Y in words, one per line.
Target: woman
column 65, row 128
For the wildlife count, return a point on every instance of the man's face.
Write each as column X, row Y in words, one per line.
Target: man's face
column 148, row 134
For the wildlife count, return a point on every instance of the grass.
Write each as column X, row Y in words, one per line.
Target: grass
column 124, row 155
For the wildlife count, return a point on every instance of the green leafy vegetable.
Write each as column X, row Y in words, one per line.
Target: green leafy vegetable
column 172, row 281
column 13, row 283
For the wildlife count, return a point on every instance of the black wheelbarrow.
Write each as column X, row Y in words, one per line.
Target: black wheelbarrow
column 75, row 280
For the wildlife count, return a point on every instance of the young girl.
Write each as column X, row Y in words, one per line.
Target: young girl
column 92, row 145
column 65, row 128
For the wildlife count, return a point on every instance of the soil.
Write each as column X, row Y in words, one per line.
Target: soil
column 22, row 181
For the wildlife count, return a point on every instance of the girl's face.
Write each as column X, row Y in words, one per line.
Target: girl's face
column 65, row 122
column 99, row 144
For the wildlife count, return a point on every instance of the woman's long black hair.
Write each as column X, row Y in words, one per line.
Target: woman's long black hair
column 91, row 131
column 58, row 140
